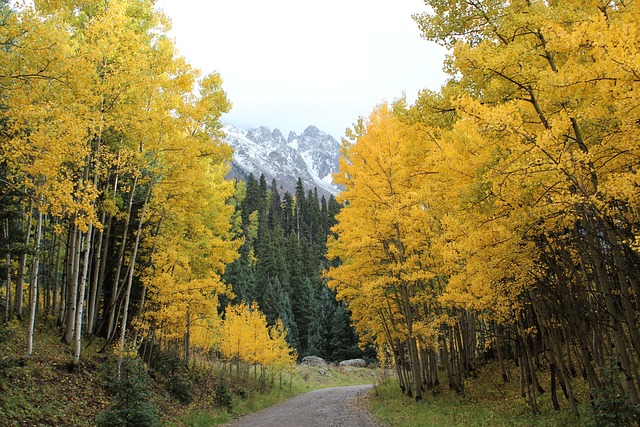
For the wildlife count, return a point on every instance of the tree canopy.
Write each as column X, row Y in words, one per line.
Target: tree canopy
column 500, row 213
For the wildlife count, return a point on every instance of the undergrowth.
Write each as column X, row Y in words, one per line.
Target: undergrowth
column 487, row 402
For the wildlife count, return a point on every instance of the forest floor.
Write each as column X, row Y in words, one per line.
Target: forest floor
column 42, row 389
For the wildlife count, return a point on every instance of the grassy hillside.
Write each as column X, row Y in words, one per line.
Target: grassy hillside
column 42, row 390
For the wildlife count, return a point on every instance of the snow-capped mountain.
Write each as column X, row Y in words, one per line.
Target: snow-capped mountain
column 312, row 156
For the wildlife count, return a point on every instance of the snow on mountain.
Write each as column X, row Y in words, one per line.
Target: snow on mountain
column 312, row 156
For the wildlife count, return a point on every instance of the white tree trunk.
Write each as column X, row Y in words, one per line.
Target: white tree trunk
column 83, row 287
column 72, row 286
column 34, row 285
column 7, row 314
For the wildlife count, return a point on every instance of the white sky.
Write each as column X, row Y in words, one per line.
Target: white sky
column 288, row 64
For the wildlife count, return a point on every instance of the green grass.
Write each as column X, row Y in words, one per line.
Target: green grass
column 487, row 402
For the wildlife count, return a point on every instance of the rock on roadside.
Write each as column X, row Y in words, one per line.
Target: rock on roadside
column 314, row 361
column 354, row 363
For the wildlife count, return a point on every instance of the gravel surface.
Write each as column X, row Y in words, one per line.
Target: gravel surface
column 329, row 407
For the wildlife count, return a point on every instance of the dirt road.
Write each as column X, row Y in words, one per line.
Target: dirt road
column 329, row 407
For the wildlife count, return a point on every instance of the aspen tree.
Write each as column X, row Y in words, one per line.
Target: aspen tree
column 547, row 105
column 384, row 264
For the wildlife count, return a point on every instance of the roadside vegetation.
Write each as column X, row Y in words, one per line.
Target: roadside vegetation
column 44, row 390
column 486, row 402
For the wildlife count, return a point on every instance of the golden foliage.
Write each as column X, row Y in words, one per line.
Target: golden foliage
column 245, row 336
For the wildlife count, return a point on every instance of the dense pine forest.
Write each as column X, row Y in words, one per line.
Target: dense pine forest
column 281, row 265
column 492, row 223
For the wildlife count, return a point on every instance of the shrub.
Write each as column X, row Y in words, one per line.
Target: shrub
column 176, row 377
column 611, row 408
column 131, row 401
column 222, row 397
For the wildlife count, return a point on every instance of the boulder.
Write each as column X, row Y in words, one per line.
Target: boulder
column 325, row 373
column 314, row 361
column 355, row 363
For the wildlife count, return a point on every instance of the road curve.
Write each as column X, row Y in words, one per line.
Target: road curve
column 329, row 407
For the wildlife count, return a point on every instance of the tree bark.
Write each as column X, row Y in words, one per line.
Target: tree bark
column 92, row 304
column 34, row 285
column 187, row 340
column 83, row 287
column 7, row 314
column 23, row 267
column 116, row 278
column 56, row 286
column 72, row 285
column 127, row 296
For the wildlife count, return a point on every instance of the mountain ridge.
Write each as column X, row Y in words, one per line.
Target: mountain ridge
column 311, row 156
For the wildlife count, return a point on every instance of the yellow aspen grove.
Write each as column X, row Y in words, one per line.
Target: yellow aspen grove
column 247, row 339
column 47, row 151
column 191, row 241
column 386, row 272
column 548, row 223
column 48, row 144
column 191, row 246
column 525, row 239
column 108, row 135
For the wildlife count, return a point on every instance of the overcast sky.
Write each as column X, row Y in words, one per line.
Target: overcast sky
column 288, row 64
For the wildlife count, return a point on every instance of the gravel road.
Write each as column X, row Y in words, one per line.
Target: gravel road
column 329, row 407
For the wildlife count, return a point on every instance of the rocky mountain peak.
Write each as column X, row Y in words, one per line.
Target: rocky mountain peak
column 311, row 132
column 311, row 156
column 266, row 136
column 277, row 135
column 292, row 136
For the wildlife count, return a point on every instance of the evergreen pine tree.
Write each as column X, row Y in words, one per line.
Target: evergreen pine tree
column 300, row 292
column 320, row 327
column 333, row 209
column 264, row 191
column 275, row 207
column 132, row 405
column 344, row 341
column 288, row 214
column 288, row 321
column 252, row 200
column 324, row 216
column 241, row 275
column 300, row 210
column 277, row 305
column 270, row 256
